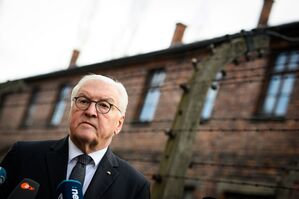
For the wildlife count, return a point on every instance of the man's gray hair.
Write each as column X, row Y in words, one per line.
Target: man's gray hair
column 123, row 100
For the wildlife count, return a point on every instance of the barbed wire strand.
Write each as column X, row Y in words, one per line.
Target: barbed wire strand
column 224, row 181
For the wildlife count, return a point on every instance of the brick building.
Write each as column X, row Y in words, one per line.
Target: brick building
column 247, row 141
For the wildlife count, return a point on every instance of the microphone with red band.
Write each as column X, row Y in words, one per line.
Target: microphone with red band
column 69, row 189
column 26, row 189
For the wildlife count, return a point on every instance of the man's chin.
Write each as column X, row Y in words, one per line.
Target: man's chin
column 85, row 137
column 88, row 139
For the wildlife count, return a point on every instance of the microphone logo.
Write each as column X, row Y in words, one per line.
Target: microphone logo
column 75, row 193
column 26, row 186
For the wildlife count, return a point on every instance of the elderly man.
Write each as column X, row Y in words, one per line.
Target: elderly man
column 98, row 106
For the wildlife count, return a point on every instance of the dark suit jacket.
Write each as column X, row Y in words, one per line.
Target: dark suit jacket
column 46, row 163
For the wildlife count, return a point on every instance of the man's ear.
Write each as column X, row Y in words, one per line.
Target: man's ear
column 119, row 125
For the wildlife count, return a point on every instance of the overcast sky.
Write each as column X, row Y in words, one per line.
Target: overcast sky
column 38, row 36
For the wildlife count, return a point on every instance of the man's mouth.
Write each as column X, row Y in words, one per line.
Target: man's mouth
column 88, row 123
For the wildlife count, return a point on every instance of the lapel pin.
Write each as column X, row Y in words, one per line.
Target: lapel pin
column 108, row 172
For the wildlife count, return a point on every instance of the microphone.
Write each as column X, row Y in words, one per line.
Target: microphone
column 2, row 175
column 69, row 189
column 26, row 189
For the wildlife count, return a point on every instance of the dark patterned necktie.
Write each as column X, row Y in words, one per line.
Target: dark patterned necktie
column 78, row 172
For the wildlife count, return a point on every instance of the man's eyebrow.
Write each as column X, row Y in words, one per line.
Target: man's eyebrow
column 82, row 95
column 108, row 99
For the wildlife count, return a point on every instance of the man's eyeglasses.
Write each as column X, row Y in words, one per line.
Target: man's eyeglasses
column 102, row 106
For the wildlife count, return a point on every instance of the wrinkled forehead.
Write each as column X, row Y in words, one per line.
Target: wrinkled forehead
column 99, row 89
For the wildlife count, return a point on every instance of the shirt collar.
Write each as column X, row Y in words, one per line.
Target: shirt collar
column 74, row 151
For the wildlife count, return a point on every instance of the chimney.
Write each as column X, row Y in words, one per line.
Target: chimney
column 178, row 34
column 75, row 55
column 265, row 13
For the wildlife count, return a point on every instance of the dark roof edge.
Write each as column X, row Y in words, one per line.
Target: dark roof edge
column 141, row 57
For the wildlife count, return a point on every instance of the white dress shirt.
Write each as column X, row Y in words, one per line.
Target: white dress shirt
column 74, row 151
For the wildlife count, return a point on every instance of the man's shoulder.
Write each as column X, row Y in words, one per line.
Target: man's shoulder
column 128, row 170
column 36, row 146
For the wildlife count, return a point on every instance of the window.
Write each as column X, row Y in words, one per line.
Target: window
column 60, row 105
column 281, row 84
column 152, row 96
column 2, row 102
column 3, row 99
column 189, row 192
column 211, row 97
column 28, row 119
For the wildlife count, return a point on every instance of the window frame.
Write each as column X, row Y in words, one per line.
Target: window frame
column 28, row 118
column 210, row 98
column 151, row 90
column 280, row 72
column 3, row 98
column 60, row 103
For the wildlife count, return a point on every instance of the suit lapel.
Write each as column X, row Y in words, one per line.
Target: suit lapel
column 56, row 159
column 104, row 176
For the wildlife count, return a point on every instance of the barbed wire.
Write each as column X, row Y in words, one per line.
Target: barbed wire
column 142, row 125
column 236, row 118
column 220, row 130
column 214, row 164
column 244, row 68
column 282, row 36
column 167, row 68
column 158, row 178
column 258, row 75
column 167, row 130
column 245, row 166
column 172, row 87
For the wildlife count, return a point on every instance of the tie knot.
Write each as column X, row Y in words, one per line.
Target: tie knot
column 84, row 159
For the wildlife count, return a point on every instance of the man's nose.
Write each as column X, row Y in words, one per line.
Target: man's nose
column 91, row 111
